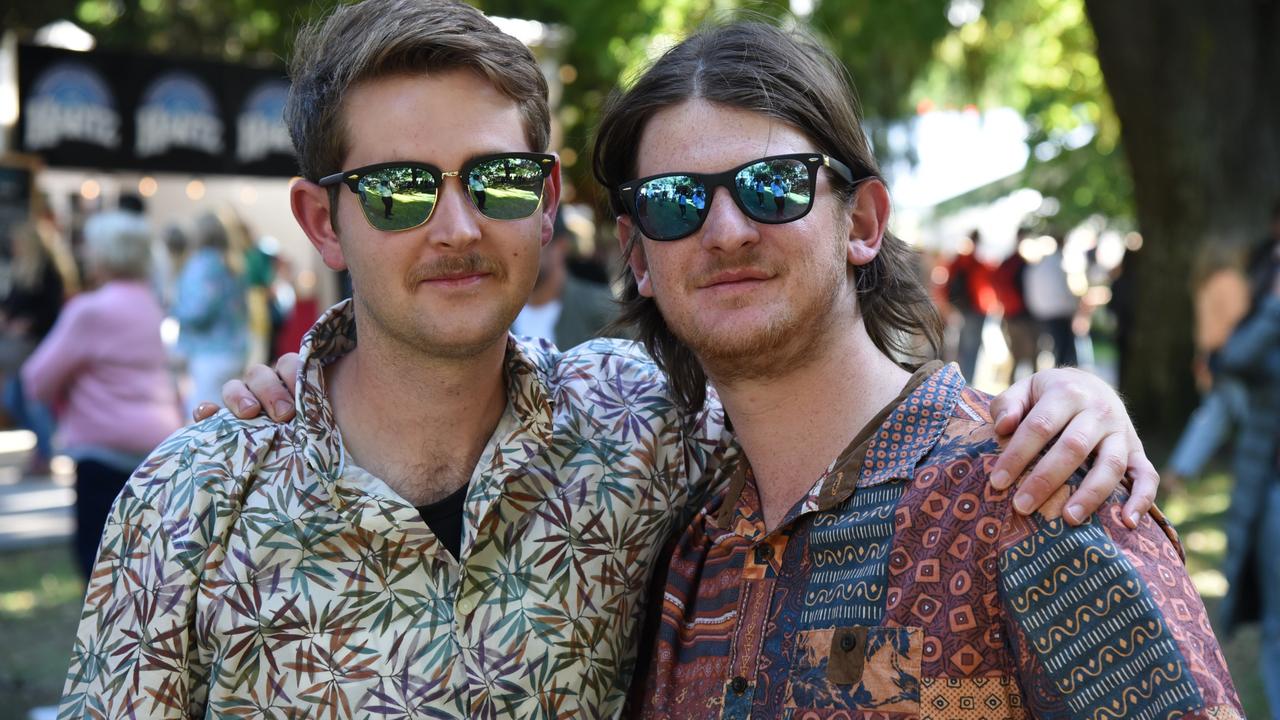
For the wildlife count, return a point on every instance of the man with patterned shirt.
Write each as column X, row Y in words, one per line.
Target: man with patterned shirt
column 859, row 563
column 456, row 524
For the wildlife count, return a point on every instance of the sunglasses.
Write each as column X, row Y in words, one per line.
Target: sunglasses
column 402, row 195
column 776, row 189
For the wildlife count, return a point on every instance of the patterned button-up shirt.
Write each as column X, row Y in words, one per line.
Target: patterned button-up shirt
column 904, row 586
column 246, row 572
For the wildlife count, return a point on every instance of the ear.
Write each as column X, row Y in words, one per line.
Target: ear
column 869, row 219
column 310, row 204
column 636, row 260
column 550, row 202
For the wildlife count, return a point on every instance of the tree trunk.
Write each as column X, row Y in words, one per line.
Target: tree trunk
column 1196, row 86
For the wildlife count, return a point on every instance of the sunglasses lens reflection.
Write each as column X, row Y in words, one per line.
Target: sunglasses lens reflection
column 397, row 198
column 775, row 191
column 671, row 206
column 506, row 188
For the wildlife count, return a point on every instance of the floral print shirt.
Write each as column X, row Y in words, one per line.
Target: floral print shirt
column 247, row 570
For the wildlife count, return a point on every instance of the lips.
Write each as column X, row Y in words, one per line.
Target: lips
column 734, row 276
column 449, row 277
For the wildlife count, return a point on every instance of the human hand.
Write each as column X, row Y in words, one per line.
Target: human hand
column 1087, row 417
column 260, row 388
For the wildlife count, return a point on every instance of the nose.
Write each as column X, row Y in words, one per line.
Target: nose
column 726, row 228
column 454, row 223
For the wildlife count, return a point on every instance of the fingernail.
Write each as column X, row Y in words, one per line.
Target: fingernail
column 1133, row 518
column 1022, row 503
column 1075, row 513
column 1000, row 418
column 1000, row 479
column 283, row 407
column 247, row 404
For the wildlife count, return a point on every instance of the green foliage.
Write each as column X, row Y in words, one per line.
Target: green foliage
column 1036, row 56
column 1039, row 57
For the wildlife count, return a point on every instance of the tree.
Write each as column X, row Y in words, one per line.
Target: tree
column 1195, row 88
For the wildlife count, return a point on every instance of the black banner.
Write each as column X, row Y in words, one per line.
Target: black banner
column 134, row 112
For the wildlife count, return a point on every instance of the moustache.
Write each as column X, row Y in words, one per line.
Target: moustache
column 455, row 266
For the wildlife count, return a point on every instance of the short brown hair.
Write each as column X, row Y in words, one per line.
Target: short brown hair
column 378, row 38
column 788, row 75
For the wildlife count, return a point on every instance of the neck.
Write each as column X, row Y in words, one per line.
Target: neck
column 792, row 426
column 419, row 423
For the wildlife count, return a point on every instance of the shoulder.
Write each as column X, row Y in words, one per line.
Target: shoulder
column 212, row 462
column 969, row 430
column 609, row 360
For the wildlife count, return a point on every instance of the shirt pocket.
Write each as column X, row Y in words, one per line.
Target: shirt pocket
column 871, row 669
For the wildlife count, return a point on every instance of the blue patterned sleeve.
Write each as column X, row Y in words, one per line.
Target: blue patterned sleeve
column 1105, row 622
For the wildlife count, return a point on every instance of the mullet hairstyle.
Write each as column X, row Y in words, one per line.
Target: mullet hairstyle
column 381, row 38
column 787, row 75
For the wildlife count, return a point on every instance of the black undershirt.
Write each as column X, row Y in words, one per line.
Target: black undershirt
column 444, row 517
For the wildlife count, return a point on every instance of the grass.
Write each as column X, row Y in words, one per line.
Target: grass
column 40, row 598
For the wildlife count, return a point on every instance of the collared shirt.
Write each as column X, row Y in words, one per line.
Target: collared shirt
column 903, row 585
column 247, row 570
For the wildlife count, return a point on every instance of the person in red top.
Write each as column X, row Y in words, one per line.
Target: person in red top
column 971, row 298
column 1021, row 331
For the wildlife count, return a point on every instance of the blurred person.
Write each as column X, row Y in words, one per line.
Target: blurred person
column 258, row 277
column 104, row 369
column 1264, row 262
column 1252, row 564
column 489, row 507
column 1021, row 331
column 39, row 274
column 176, row 247
column 969, row 299
column 211, row 311
column 1221, row 300
column 162, row 266
column 1049, row 299
column 562, row 308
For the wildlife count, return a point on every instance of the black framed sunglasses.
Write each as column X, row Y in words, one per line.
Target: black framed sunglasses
column 775, row 189
column 402, row 195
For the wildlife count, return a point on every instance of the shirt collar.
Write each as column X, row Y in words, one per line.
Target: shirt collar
column 909, row 432
column 526, row 366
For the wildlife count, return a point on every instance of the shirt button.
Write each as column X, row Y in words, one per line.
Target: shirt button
column 739, row 685
column 466, row 606
column 848, row 642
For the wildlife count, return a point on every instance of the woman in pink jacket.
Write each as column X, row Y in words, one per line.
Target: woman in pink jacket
column 104, row 370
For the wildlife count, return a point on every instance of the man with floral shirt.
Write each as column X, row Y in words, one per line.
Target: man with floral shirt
column 456, row 524
column 859, row 563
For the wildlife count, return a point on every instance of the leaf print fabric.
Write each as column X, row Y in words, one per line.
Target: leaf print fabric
column 249, row 570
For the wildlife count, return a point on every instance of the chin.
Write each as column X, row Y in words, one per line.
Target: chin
column 744, row 349
column 457, row 341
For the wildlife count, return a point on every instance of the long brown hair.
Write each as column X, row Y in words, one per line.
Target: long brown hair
column 790, row 76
